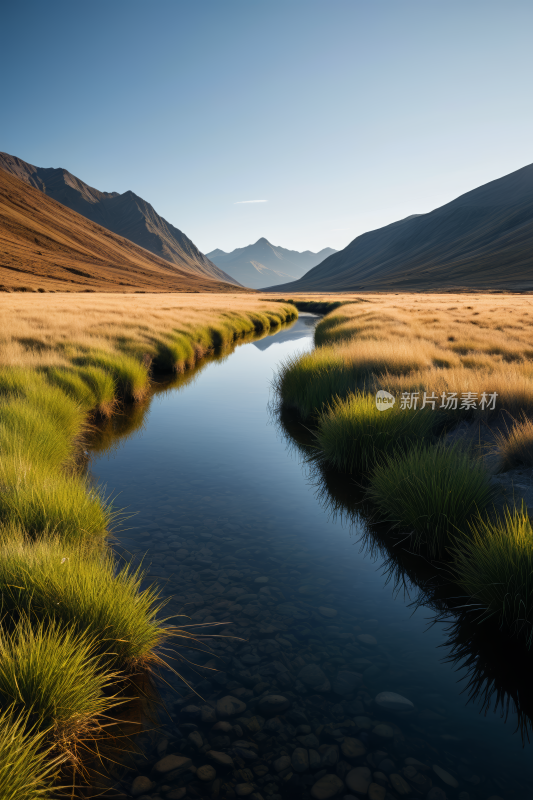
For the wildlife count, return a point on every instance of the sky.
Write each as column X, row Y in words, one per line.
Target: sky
column 341, row 116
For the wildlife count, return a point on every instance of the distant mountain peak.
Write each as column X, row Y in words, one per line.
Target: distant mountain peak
column 262, row 263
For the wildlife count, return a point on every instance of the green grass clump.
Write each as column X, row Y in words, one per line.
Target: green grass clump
column 93, row 388
column 309, row 380
column 431, row 491
column 86, row 591
column 53, row 673
column 353, row 434
column 42, row 500
column 28, row 767
column 130, row 375
column 494, row 566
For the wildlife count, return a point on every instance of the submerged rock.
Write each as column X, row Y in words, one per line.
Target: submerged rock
column 393, row 702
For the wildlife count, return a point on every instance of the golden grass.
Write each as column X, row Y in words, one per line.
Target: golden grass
column 435, row 343
column 52, row 330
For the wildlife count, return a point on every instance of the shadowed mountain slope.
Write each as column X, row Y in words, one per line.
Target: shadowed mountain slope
column 46, row 246
column 481, row 240
column 125, row 214
column 263, row 264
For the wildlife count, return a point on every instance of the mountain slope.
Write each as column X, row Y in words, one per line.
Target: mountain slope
column 125, row 214
column 481, row 240
column 262, row 263
column 46, row 246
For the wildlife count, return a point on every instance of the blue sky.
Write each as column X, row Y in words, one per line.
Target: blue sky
column 342, row 115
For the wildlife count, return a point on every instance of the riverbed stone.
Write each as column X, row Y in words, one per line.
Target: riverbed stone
column 436, row 793
column 206, row 773
column 171, row 763
column 314, row 760
column 327, row 612
column 346, row 682
column 220, row 758
column 230, row 706
column 281, row 763
column 393, row 702
column 352, row 748
column 141, row 785
column 300, row 760
column 326, row 787
column 244, row 789
column 399, row 784
column 445, row 776
column 359, row 779
column 176, row 794
column 273, row 704
column 312, row 676
column 366, row 638
column 383, row 730
column 376, row 792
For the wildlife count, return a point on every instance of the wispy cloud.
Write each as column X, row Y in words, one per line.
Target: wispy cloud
column 242, row 202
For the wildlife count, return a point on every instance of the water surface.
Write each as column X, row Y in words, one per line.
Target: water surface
column 233, row 529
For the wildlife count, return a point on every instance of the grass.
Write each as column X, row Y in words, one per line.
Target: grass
column 29, row 766
column 53, row 674
column 353, row 434
column 46, row 501
column 494, row 566
column 431, row 492
column 438, row 343
column 515, row 446
column 85, row 590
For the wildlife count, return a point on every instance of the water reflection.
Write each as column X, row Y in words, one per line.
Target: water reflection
column 496, row 669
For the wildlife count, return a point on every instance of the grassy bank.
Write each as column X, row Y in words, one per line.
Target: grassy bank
column 76, row 624
column 444, row 359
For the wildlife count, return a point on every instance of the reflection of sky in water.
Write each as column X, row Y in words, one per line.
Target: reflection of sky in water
column 301, row 329
column 211, row 452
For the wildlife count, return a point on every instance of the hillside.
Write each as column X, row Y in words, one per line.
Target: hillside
column 125, row 214
column 481, row 240
column 46, row 246
column 263, row 264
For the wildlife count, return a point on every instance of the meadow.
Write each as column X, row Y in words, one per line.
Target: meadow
column 78, row 626
column 460, row 370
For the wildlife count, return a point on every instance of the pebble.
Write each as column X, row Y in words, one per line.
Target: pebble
column 363, row 723
column 359, row 779
column 327, row 612
column 399, row 784
column 206, row 773
column 445, row 776
column 141, row 785
column 393, row 702
column 273, row 704
column 300, row 760
column 352, row 748
column 176, row 794
column 383, row 731
column 220, row 758
column 229, row 706
column 346, row 682
column 365, row 638
column 244, row 789
column 170, row 763
column 281, row 763
column 311, row 675
column 326, row 787
column 436, row 793
column 376, row 792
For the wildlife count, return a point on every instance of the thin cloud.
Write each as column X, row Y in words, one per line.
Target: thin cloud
column 242, row 202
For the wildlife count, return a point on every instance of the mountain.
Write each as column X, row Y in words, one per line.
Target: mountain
column 125, row 214
column 45, row 246
column 481, row 240
column 262, row 263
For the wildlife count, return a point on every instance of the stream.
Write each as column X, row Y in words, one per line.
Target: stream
column 228, row 518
